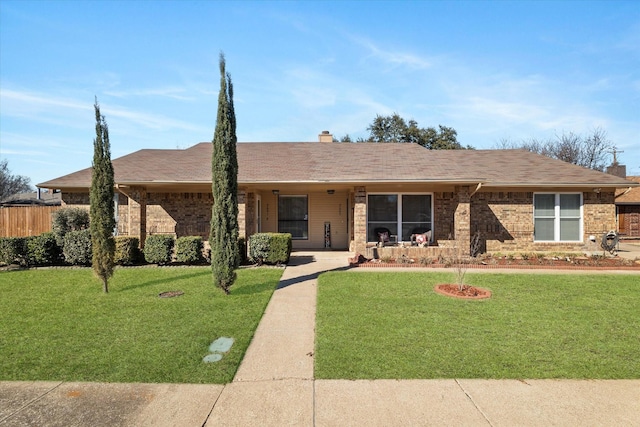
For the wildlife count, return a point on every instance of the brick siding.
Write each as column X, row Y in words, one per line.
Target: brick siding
column 504, row 219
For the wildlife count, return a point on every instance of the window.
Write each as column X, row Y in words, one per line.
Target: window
column 557, row 217
column 402, row 214
column 293, row 216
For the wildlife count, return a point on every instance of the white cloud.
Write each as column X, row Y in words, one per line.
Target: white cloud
column 48, row 108
column 166, row 92
column 17, row 102
column 22, row 152
column 394, row 58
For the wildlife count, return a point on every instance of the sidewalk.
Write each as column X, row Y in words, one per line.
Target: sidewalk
column 274, row 386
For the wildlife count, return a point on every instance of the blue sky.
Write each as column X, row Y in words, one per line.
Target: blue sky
column 491, row 70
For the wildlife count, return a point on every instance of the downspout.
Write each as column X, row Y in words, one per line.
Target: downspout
column 625, row 192
column 476, row 190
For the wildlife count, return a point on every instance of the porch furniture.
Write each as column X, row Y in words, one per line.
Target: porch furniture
column 384, row 235
column 421, row 239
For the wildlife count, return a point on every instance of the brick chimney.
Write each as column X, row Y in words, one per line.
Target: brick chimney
column 617, row 170
column 325, row 136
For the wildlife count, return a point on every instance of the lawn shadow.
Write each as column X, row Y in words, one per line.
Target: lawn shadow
column 164, row 280
column 254, row 288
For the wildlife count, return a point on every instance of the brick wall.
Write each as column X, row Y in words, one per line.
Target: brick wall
column 76, row 200
column 599, row 213
column 503, row 219
column 359, row 220
column 180, row 214
column 444, row 207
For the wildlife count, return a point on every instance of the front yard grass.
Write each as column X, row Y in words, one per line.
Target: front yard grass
column 374, row 325
column 58, row 324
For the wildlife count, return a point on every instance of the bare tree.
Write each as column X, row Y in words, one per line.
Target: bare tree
column 590, row 151
column 11, row 184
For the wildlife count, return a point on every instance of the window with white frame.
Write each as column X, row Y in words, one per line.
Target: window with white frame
column 401, row 214
column 557, row 217
column 293, row 216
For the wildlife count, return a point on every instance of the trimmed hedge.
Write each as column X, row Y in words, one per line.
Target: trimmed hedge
column 43, row 250
column 127, row 251
column 77, row 247
column 158, row 249
column 189, row 249
column 270, row 248
column 13, row 249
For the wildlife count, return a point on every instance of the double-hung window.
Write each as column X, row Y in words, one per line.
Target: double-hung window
column 557, row 217
column 293, row 216
column 401, row 214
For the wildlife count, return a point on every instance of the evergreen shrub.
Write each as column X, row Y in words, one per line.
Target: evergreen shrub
column 270, row 248
column 127, row 250
column 77, row 247
column 13, row 249
column 189, row 249
column 158, row 249
column 43, row 250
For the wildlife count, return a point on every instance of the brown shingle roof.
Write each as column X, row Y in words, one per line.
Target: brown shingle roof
column 629, row 197
column 347, row 163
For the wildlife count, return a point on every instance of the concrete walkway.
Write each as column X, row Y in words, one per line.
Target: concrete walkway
column 274, row 386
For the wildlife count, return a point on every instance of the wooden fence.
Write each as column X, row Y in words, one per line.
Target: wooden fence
column 22, row 221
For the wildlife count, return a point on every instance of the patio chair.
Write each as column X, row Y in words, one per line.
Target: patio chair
column 384, row 235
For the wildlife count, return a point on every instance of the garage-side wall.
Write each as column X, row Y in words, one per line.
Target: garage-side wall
column 179, row 214
column 505, row 221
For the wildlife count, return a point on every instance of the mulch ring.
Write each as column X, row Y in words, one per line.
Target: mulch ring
column 466, row 292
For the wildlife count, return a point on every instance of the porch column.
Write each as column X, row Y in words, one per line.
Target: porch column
column 250, row 216
column 138, row 213
column 462, row 217
column 360, row 220
column 242, row 213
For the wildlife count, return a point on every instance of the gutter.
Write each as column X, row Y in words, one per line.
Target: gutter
column 560, row 184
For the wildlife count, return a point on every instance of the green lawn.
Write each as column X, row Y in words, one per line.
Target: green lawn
column 393, row 325
column 58, row 324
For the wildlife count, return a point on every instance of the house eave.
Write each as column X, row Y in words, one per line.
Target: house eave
column 593, row 185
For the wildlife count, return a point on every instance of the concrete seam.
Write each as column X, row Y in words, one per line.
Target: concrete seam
column 473, row 402
column 206, row 420
column 32, row 401
column 313, row 399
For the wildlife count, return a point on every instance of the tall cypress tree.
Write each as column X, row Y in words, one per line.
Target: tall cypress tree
column 102, row 218
column 224, row 175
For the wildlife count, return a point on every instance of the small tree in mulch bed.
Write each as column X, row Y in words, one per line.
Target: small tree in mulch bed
column 458, row 258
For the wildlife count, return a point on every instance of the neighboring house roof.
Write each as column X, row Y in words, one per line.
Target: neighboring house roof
column 629, row 196
column 317, row 162
column 32, row 198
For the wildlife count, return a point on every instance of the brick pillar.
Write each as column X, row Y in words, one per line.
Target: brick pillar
column 138, row 213
column 462, row 217
column 360, row 220
column 251, row 214
column 242, row 213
